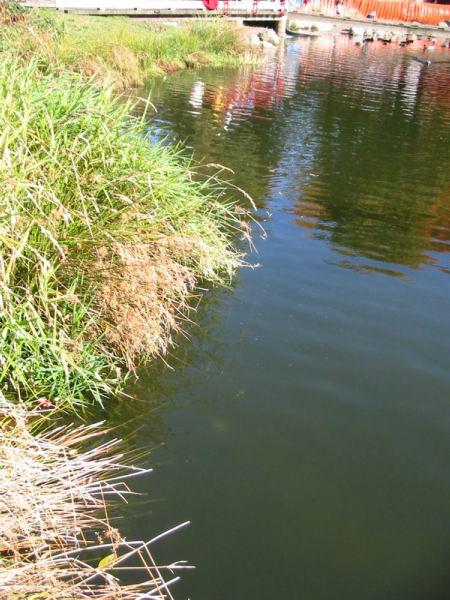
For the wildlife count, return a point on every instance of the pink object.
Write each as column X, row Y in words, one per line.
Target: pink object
column 211, row 4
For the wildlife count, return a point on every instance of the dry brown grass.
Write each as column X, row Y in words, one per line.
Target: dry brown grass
column 121, row 68
column 169, row 66
column 144, row 296
column 195, row 60
column 56, row 540
column 148, row 290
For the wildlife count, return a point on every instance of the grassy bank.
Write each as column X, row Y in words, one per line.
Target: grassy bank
column 128, row 51
column 103, row 237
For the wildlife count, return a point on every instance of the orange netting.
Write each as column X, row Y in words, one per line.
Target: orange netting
column 389, row 10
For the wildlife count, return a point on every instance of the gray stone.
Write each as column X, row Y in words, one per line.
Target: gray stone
column 269, row 35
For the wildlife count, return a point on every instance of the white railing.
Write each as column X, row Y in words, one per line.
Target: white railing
column 169, row 5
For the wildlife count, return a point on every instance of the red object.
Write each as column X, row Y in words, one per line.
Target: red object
column 211, row 4
column 44, row 403
column 391, row 10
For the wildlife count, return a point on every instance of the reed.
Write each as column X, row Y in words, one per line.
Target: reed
column 56, row 536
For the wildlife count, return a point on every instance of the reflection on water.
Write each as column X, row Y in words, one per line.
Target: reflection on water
column 305, row 429
column 354, row 136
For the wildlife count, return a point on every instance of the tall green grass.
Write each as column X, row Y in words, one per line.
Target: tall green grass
column 129, row 51
column 103, row 236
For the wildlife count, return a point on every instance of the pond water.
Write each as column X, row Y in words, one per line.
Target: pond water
column 305, row 428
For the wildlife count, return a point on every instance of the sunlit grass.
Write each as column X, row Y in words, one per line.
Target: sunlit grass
column 129, row 51
column 103, row 237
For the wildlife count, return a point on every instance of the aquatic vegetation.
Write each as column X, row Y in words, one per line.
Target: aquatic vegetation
column 103, row 237
column 128, row 51
column 56, row 536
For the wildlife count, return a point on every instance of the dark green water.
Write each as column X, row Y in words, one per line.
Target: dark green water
column 305, row 430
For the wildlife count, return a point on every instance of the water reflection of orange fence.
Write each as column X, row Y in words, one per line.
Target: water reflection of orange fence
column 256, row 92
column 253, row 92
column 390, row 10
column 316, row 97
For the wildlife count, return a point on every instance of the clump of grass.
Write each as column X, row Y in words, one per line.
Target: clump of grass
column 127, row 51
column 103, row 237
column 56, row 538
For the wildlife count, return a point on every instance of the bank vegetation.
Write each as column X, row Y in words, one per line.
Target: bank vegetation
column 127, row 51
column 105, row 237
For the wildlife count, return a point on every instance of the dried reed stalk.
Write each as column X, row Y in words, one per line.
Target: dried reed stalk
column 56, row 540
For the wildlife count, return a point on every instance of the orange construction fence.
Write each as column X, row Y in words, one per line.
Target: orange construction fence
column 390, row 10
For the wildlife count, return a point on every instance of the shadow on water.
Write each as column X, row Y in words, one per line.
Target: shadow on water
column 304, row 429
column 139, row 412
